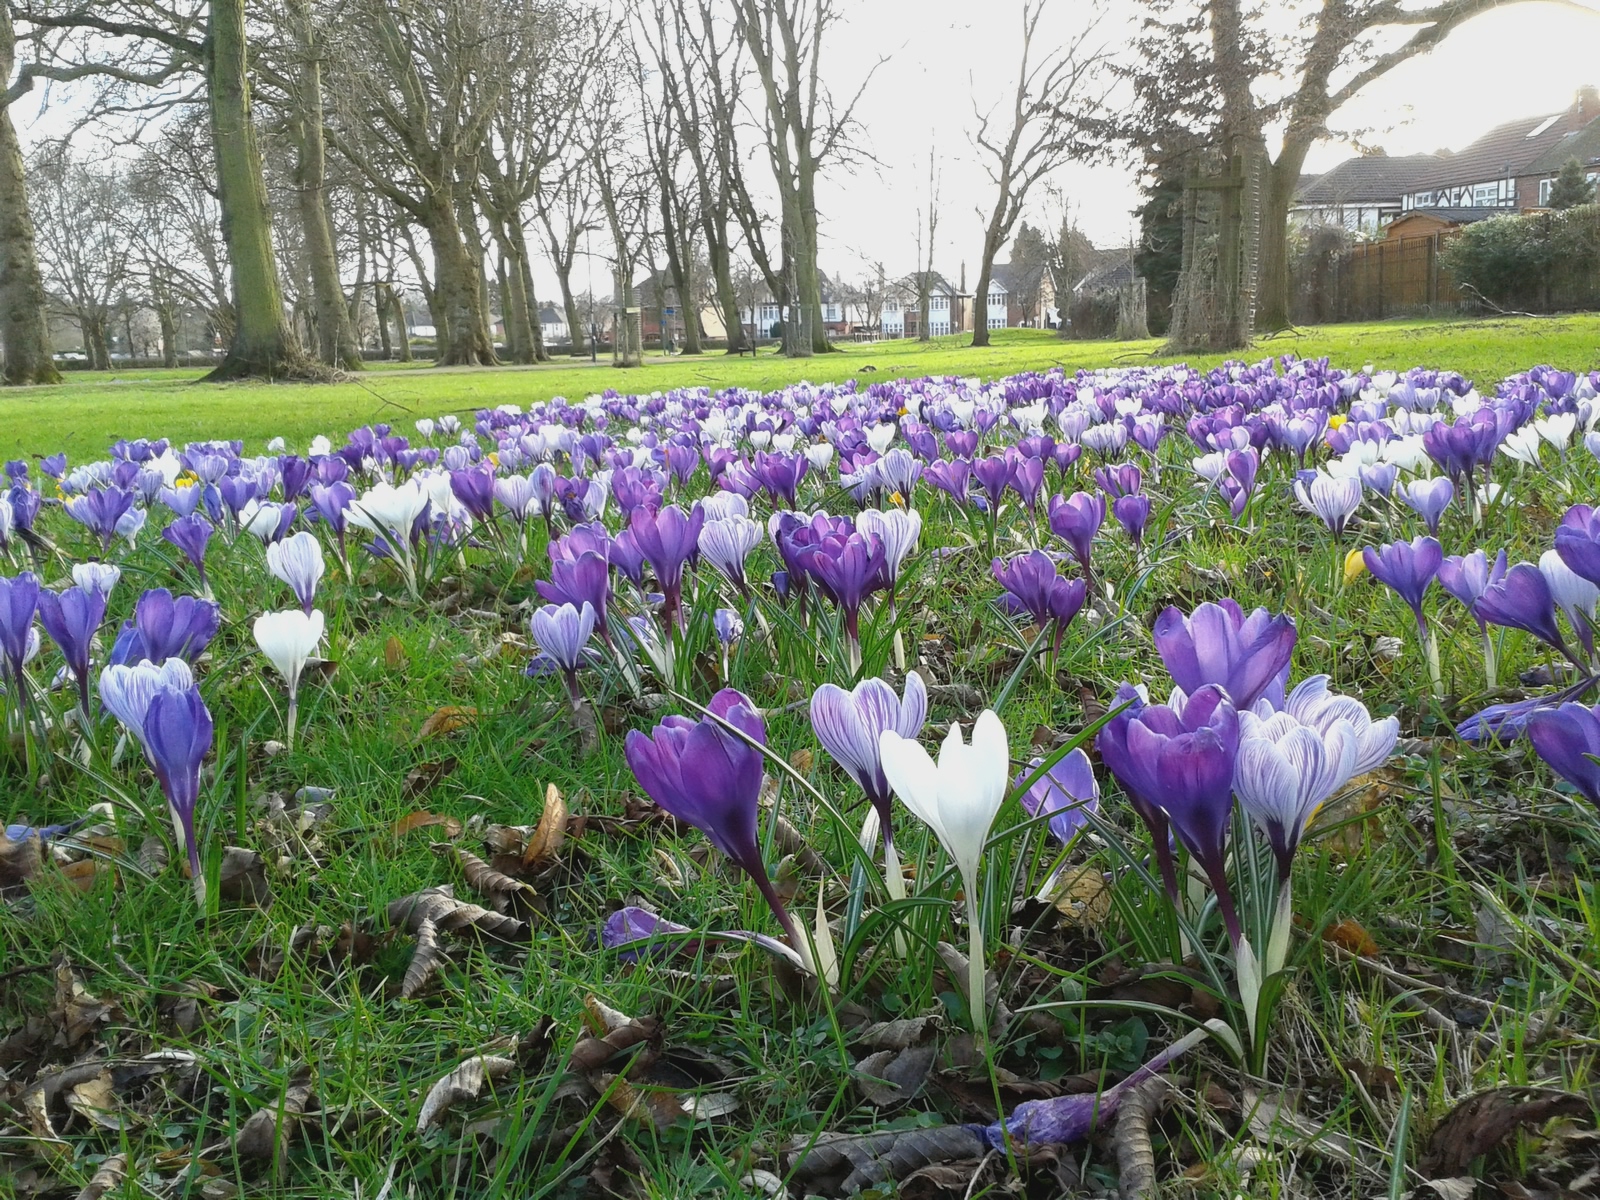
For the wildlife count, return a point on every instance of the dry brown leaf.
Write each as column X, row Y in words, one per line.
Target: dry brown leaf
column 425, row 960
column 36, row 1108
column 108, row 1178
column 96, row 1100
column 266, row 1135
column 802, row 761
column 617, row 1032
column 152, row 856
column 551, row 831
column 20, row 859
column 423, row 819
column 891, row 1077
column 464, row 1083
column 649, row 1105
column 76, row 1011
column 446, row 720
column 1082, row 896
column 1358, row 805
column 85, row 873
column 1482, row 1121
column 243, row 878
column 394, row 654
column 483, row 878
column 508, row 839
column 426, row 776
column 1352, row 936
column 450, row 915
column 895, row 1035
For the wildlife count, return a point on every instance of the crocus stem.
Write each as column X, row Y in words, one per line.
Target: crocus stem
column 894, row 879
column 977, row 1000
column 294, row 713
column 1430, row 648
column 1491, row 664
column 1278, row 940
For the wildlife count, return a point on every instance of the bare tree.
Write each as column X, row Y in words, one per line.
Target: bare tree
column 80, row 238
column 624, row 180
column 419, row 85
column 1040, row 138
column 806, row 130
column 568, row 209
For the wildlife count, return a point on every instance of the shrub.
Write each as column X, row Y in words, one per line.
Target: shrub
column 1535, row 261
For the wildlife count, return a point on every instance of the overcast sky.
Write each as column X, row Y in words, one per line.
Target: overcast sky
column 941, row 57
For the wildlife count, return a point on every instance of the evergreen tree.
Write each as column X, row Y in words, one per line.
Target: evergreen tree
column 1572, row 186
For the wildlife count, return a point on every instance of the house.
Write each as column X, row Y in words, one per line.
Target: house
column 944, row 306
column 553, row 326
column 1513, row 166
column 1020, row 296
column 1361, row 194
column 1426, row 222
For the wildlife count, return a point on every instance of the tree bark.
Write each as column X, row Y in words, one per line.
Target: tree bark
column 380, row 308
column 1272, row 297
column 463, row 338
column 523, row 264
column 263, row 343
column 169, row 332
column 336, row 339
column 24, row 332
column 577, row 332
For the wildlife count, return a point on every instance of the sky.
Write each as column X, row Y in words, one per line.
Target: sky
column 942, row 55
column 930, row 63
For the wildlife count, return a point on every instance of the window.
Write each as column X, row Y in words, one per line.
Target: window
column 997, row 322
column 996, row 300
column 1485, row 195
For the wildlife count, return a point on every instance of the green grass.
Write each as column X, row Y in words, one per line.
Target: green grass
column 92, row 409
column 1441, row 821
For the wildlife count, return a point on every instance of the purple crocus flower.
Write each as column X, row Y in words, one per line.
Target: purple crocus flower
column 1523, row 600
column 1428, row 498
column 1035, row 586
column 668, row 538
column 1246, row 656
column 1578, row 542
column 848, row 724
column 474, row 488
column 99, row 510
column 708, row 774
column 1125, row 479
column 1132, row 512
column 19, row 600
column 1238, row 481
column 1568, row 739
column 1408, row 568
column 184, row 499
column 1067, row 792
column 780, row 475
column 72, row 618
column 177, row 735
column 579, row 580
column 994, row 476
column 1467, row 577
column 950, row 477
column 164, row 627
column 191, row 535
column 1180, row 764
column 847, row 570
column 1075, row 520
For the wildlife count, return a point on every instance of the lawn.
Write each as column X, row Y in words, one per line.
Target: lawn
column 91, row 410
column 290, row 1033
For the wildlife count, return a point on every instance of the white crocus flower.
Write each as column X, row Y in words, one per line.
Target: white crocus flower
column 958, row 799
column 1522, row 445
column 289, row 640
column 1557, row 429
column 320, row 445
column 879, row 437
column 96, row 576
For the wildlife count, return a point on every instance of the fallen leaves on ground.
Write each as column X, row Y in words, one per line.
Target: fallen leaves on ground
column 266, row 1134
column 464, row 1083
column 445, row 720
column 1482, row 1121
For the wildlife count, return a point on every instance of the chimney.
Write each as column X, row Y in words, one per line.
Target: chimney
column 963, row 277
column 1586, row 107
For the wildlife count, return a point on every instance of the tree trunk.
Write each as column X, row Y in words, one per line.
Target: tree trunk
column 397, row 306
column 169, row 333
column 514, row 312
column 336, row 339
column 809, row 284
column 691, row 317
column 458, row 279
column 523, row 265
column 24, row 332
column 727, row 296
column 380, row 310
column 100, row 352
column 263, row 344
column 1272, row 297
column 980, row 298
column 576, row 331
